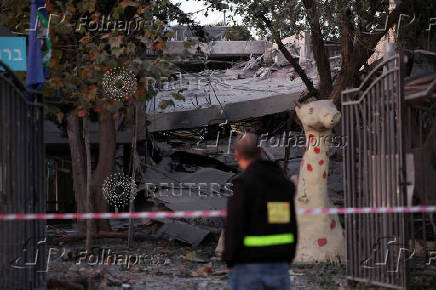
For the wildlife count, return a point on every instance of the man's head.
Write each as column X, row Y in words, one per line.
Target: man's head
column 247, row 150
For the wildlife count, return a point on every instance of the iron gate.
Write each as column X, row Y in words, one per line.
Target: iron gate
column 374, row 176
column 21, row 184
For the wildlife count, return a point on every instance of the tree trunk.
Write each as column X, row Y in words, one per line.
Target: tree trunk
column 133, row 173
column 320, row 53
column 90, row 229
column 78, row 159
column 344, row 79
column 291, row 119
column 105, row 165
column 431, row 142
column 354, row 57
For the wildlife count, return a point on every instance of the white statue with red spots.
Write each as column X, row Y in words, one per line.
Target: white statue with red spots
column 321, row 237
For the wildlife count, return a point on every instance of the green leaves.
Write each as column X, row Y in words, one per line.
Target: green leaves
column 80, row 57
column 131, row 48
column 165, row 103
column 119, row 11
column 117, row 52
column 178, row 96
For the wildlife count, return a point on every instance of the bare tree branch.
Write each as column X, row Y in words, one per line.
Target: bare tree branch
column 292, row 60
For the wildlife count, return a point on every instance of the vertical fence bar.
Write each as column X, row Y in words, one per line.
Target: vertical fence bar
column 21, row 190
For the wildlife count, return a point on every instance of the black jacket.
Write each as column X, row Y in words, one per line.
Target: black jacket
column 248, row 211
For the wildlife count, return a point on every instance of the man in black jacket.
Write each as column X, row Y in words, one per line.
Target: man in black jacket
column 261, row 230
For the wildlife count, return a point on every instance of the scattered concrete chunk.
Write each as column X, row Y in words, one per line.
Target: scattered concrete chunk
column 209, row 175
column 183, row 232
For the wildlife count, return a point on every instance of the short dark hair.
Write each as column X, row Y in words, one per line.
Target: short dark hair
column 247, row 146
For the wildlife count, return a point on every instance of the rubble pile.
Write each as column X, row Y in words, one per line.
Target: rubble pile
column 254, row 79
column 155, row 263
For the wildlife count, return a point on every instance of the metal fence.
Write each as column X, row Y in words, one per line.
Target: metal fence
column 374, row 176
column 419, row 121
column 21, row 184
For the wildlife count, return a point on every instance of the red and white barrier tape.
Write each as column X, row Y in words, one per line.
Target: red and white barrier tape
column 208, row 213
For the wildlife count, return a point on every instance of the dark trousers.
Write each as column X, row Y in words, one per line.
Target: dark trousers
column 271, row 276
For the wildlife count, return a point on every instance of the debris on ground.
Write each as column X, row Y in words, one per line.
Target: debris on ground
column 155, row 263
column 183, row 232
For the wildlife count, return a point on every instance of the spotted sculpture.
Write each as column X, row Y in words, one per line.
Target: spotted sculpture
column 321, row 237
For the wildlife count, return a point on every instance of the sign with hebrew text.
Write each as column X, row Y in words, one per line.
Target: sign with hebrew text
column 13, row 52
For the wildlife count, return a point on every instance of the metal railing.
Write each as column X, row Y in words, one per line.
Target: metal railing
column 374, row 176
column 21, row 184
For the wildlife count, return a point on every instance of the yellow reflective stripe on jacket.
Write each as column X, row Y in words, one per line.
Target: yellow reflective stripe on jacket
column 270, row 240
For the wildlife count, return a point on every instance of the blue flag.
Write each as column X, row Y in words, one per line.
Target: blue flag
column 38, row 60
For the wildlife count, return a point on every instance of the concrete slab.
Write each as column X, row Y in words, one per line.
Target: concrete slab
column 216, row 49
column 209, row 175
column 193, row 199
column 232, row 112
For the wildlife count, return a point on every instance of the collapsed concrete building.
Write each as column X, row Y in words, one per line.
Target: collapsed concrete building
column 258, row 81
column 226, row 87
